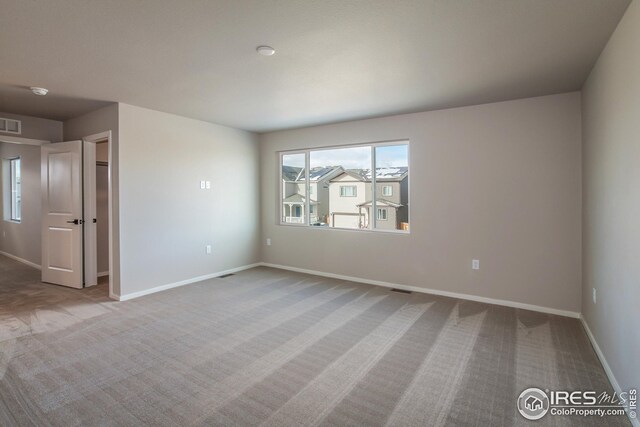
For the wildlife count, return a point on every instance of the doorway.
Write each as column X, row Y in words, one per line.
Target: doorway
column 96, row 210
column 77, row 213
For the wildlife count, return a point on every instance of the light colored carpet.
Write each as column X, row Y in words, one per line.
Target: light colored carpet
column 279, row 349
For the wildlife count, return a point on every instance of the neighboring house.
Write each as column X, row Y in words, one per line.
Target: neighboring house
column 294, row 194
column 350, row 199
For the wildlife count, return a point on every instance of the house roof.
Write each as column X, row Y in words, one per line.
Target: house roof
column 318, row 173
column 292, row 173
column 381, row 202
column 382, row 174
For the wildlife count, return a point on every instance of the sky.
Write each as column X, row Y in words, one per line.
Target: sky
column 353, row 157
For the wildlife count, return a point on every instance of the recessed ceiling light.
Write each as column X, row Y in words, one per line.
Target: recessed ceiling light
column 265, row 50
column 40, row 91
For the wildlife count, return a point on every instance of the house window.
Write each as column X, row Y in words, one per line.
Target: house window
column 293, row 185
column 349, row 186
column 12, row 190
column 348, row 191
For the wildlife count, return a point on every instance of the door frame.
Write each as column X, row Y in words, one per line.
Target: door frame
column 95, row 138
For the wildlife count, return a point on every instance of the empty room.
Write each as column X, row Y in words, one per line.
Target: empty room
column 319, row 213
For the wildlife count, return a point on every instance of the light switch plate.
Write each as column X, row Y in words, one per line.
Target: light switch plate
column 202, row 185
column 475, row 264
column 208, row 185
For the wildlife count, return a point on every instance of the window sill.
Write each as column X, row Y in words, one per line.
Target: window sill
column 356, row 230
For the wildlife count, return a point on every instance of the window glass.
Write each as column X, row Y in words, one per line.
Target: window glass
column 346, row 188
column 348, row 191
column 343, row 186
column 392, row 185
column 16, row 189
column 294, row 185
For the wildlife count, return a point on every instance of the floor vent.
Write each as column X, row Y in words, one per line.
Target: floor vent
column 227, row 275
column 401, row 291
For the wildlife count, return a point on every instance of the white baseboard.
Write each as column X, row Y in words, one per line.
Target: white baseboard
column 104, row 273
column 22, row 260
column 607, row 369
column 476, row 298
column 133, row 295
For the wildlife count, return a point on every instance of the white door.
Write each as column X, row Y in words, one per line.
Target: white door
column 61, row 169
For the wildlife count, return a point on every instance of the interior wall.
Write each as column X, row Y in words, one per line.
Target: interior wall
column 36, row 128
column 611, row 207
column 102, row 120
column 166, row 219
column 23, row 239
column 497, row 182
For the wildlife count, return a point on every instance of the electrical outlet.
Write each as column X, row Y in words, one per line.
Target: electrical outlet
column 595, row 295
column 208, row 249
column 268, row 242
column 208, row 185
column 475, row 264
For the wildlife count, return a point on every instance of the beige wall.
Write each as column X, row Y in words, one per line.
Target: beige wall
column 36, row 128
column 611, row 207
column 497, row 182
column 23, row 239
column 166, row 219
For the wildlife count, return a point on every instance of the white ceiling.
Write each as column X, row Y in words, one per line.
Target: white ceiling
column 336, row 59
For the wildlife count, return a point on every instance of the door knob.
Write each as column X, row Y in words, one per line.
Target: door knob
column 75, row 221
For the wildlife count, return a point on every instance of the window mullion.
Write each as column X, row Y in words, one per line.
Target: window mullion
column 374, row 213
column 307, row 157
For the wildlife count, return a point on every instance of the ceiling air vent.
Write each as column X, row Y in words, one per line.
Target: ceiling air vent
column 10, row 126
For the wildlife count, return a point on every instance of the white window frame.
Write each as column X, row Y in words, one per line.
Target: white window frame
column 307, row 153
column 384, row 188
column 382, row 210
column 12, row 190
column 344, row 187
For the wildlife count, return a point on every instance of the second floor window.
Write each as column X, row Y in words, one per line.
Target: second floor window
column 359, row 186
column 348, row 191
